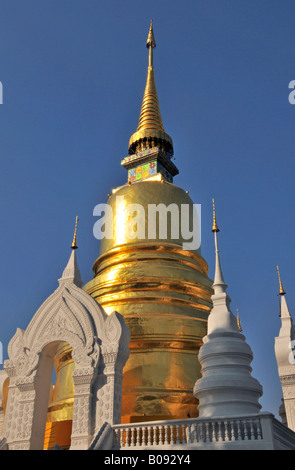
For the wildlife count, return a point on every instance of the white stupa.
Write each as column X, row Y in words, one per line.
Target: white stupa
column 227, row 387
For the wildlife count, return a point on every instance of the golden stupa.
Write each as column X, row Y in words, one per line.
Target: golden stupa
column 161, row 288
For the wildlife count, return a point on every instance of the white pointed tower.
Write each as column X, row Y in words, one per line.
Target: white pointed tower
column 284, row 351
column 71, row 271
column 89, row 350
column 227, row 387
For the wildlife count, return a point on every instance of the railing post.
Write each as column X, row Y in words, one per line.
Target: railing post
column 122, row 443
column 226, row 433
column 166, row 435
column 177, row 434
column 259, row 432
column 266, row 427
column 245, row 429
column 252, row 434
column 202, row 437
column 161, row 440
column 149, row 435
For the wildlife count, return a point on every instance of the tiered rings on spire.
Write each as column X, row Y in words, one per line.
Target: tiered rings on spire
column 150, row 131
column 282, row 292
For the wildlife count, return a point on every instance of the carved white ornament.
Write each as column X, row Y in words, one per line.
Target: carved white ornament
column 99, row 346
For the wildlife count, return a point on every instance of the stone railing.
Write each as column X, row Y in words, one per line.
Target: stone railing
column 258, row 431
column 186, row 432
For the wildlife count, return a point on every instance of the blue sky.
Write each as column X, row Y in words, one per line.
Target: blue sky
column 73, row 75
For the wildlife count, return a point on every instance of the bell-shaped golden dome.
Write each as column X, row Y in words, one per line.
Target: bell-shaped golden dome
column 149, row 275
column 164, row 293
column 150, row 212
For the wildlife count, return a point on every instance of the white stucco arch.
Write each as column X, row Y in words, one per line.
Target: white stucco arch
column 99, row 348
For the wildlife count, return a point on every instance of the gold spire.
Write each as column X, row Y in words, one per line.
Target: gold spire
column 214, row 227
column 150, row 44
column 282, row 292
column 238, row 321
column 150, row 131
column 74, row 244
column 150, row 115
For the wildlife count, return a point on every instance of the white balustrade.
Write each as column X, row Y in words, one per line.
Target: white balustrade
column 186, row 432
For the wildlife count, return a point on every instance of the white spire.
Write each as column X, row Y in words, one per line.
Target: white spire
column 285, row 312
column 286, row 319
column 221, row 316
column 226, row 387
column 284, row 351
column 287, row 327
column 71, row 271
column 219, row 283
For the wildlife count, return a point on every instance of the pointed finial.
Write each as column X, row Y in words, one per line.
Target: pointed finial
column 238, row 321
column 150, row 44
column 151, row 38
column 74, row 244
column 214, row 228
column 150, row 131
column 218, row 278
column 282, row 292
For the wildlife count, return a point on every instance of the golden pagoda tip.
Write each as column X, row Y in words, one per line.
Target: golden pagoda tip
column 238, row 321
column 214, row 227
column 74, row 244
column 151, row 38
column 282, row 292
